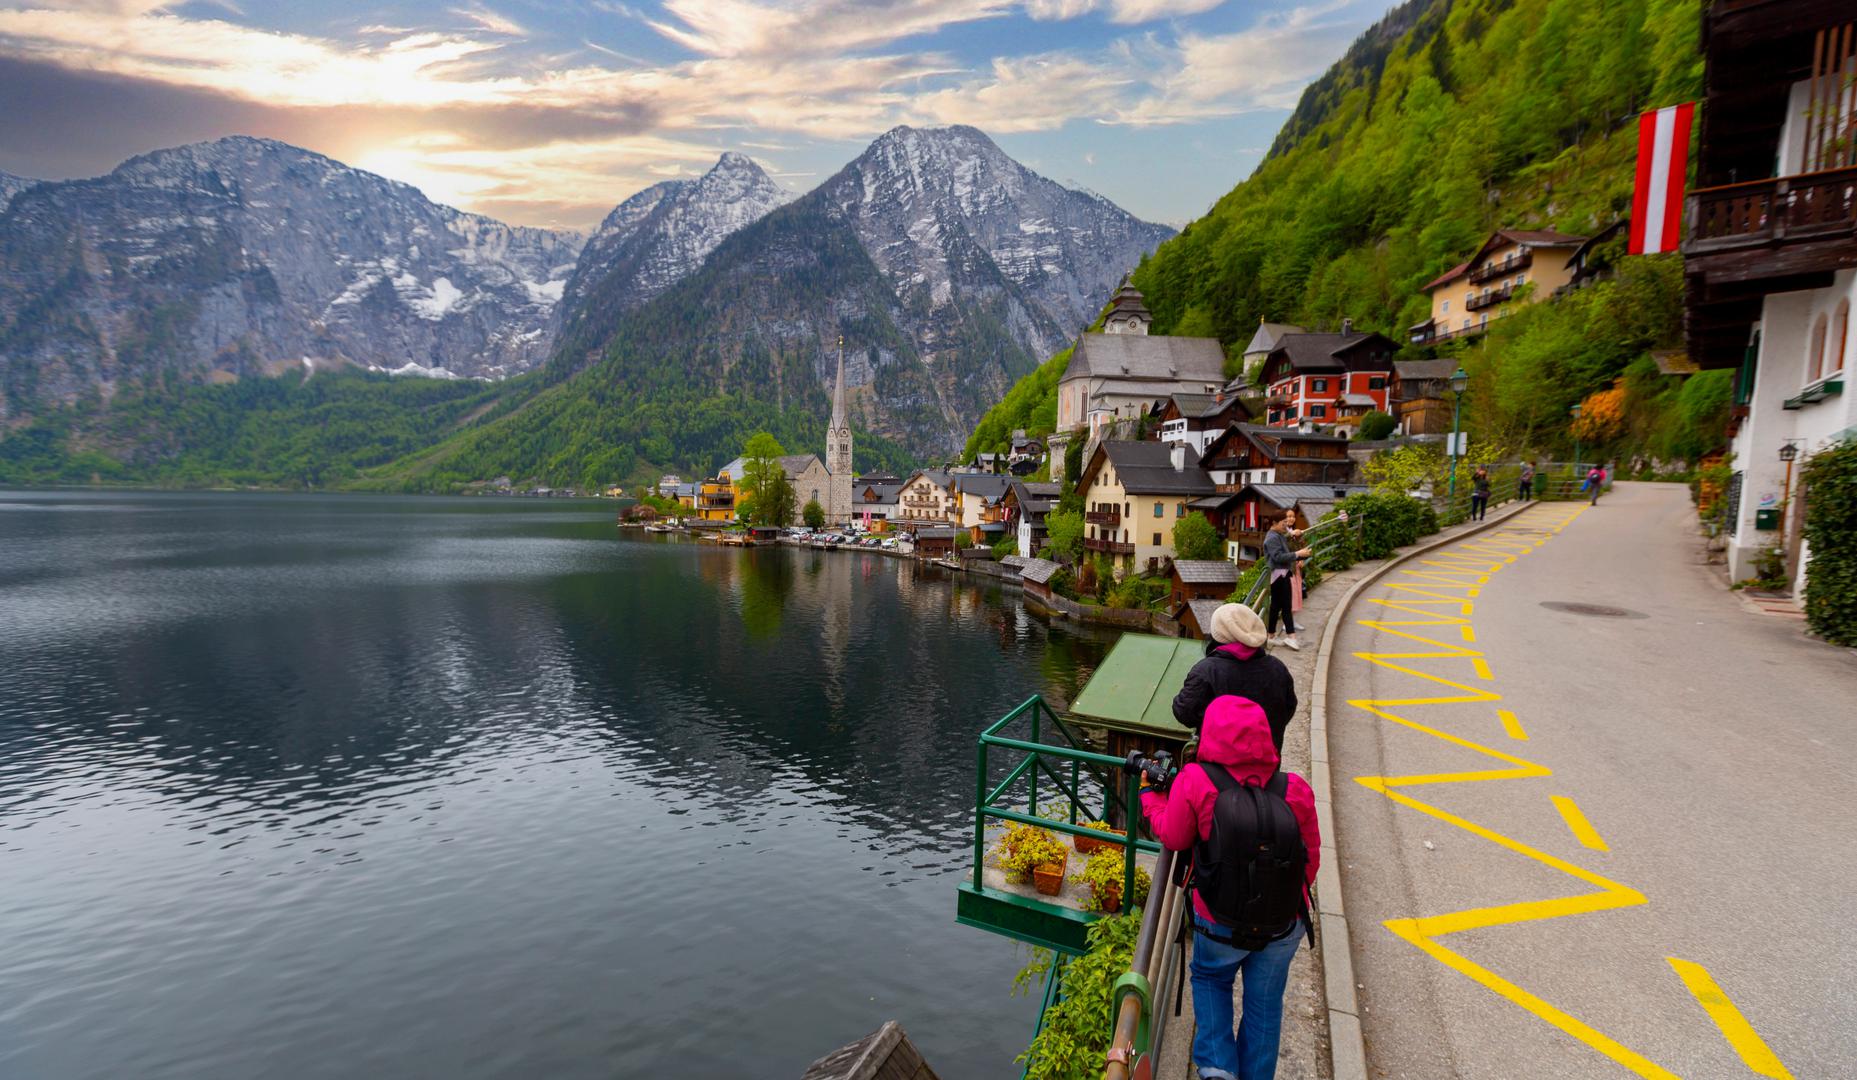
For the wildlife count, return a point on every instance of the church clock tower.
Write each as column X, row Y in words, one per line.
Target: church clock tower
column 838, row 449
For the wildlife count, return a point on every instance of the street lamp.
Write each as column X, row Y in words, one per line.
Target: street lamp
column 1576, row 441
column 1789, row 450
column 1460, row 381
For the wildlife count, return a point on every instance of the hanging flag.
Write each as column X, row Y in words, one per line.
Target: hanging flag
column 1663, row 162
column 1250, row 516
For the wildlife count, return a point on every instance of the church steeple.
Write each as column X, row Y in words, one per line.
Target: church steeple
column 838, row 448
column 838, row 394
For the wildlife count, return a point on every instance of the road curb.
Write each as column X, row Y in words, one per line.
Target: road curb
column 1347, row 1049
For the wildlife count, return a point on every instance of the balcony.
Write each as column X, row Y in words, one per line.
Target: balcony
column 1810, row 207
column 1509, row 265
column 1489, row 299
column 1108, row 547
column 1103, row 517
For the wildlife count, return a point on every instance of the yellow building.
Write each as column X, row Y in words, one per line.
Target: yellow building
column 1133, row 495
column 1486, row 286
column 715, row 500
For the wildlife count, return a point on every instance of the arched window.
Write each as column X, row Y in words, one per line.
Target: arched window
column 1815, row 352
column 1840, row 336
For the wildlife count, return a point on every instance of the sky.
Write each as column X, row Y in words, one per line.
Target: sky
column 550, row 112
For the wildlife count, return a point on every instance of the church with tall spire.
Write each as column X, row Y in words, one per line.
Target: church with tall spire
column 838, row 451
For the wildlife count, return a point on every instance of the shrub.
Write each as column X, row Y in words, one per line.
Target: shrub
column 1389, row 520
column 962, row 541
column 1075, row 1034
column 1195, row 538
column 1103, row 874
column 1830, row 486
column 1006, row 545
column 1377, row 425
column 813, row 515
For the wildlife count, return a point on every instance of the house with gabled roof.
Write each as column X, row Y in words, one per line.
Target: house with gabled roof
column 1121, row 372
column 1485, row 286
column 1197, row 419
column 1331, row 380
column 1134, row 493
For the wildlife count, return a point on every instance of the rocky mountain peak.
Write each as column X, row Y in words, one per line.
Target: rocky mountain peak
column 10, row 186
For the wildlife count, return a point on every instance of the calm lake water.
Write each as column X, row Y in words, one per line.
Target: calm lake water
column 347, row 786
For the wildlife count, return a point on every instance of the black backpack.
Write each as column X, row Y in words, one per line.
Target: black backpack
column 1250, row 870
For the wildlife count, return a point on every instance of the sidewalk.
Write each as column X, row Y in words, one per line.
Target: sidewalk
column 1306, row 1054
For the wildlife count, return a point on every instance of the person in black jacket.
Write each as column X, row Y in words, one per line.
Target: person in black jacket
column 1237, row 664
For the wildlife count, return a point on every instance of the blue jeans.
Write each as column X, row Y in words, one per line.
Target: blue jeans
column 1251, row 1054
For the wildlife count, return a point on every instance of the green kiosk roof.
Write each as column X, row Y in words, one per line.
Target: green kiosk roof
column 1133, row 691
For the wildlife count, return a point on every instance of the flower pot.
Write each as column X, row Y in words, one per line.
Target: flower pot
column 1109, row 901
column 1087, row 845
column 1049, row 878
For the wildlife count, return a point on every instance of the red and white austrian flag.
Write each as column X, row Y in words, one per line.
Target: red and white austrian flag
column 1663, row 162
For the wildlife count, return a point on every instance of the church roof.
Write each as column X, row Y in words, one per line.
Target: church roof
column 1268, row 334
column 1147, row 357
column 795, row 464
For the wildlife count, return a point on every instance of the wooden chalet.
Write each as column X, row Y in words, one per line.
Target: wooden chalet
column 1422, row 395
column 1195, row 618
column 1249, row 454
column 1327, row 379
column 1202, row 579
column 1197, row 419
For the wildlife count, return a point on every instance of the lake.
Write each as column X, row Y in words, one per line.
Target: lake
column 340, row 786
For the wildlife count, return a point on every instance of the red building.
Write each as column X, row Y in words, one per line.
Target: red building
column 1328, row 379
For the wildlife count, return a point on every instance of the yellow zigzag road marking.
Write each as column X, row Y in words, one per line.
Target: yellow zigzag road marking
column 1423, row 932
column 1735, row 1028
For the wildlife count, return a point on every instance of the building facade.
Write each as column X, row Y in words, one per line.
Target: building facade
column 925, row 499
column 1134, row 493
column 1770, row 264
column 1118, row 374
column 1327, row 379
column 1488, row 284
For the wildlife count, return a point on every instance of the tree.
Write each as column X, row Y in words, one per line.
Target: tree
column 770, row 496
column 1195, row 538
column 813, row 514
column 1064, row 534
column 1402, row 470
column 1377, row 425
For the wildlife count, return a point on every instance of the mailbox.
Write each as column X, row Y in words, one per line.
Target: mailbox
column 1767, row 520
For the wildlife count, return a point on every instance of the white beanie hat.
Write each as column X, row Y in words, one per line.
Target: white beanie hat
column 1236, row 623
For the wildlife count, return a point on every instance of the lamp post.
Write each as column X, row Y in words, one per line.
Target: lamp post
column 1789, row 450
column 1460, row 381
column 1576, row 441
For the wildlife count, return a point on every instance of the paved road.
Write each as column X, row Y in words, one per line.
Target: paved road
column 1680, row 783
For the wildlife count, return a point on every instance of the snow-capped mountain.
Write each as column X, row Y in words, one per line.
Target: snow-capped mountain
column 10, row 186
column 918, row 197
column 658, row 236
column 950, row 269
column 245, row 255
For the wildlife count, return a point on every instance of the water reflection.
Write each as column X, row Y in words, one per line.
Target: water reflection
column 324, row 787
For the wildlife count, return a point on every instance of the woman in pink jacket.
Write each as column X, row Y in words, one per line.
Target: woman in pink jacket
column 1236, row 735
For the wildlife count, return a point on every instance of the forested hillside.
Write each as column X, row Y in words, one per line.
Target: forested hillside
column 1449, row 119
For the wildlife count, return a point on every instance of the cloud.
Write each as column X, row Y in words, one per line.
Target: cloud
column 726, row 28
column 485, row 19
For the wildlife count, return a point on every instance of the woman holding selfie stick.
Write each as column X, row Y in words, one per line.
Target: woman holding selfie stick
column 1279, row 560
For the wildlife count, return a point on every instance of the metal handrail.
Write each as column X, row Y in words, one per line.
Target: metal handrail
column 1320, row 538
column 1138, row 1024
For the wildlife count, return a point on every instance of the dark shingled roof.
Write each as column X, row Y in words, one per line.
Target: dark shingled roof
column 1039, row 570
column 1206, row 571
column 1146, row 468
column 1203, row 611
column 1147, row 357
column 1289, row 495
column 1425, row 369
column 985, row 485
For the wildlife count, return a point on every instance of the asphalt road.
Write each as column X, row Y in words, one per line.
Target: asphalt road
column 1679, row 782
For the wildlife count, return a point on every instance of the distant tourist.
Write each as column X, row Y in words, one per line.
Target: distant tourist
column 1279, row 560
column 1236, row 663
column 1479, row 492
column 1256, row 845
column 1595, row 480
column 1525, row 484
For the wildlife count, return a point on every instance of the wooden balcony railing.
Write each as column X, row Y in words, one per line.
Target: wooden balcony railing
column 1488, row 299
column 1508, row 265
column 1108, row 547
column 1811, row 206
column 1103, row 517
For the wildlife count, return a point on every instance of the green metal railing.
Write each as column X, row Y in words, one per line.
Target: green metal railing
column 1322, row 538
column 994, row 803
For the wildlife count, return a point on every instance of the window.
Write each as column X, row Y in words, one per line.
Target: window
column 1521, row 280
column 1446, row 309
column 1126, row 512
column 1840, row 334
column 1180, row 510
column 1376, row 382
column 1318, row 410
column 1157, row 539
column 1466, row 322
column 1815, row 352
column 1319, row 386
column 1157, row 509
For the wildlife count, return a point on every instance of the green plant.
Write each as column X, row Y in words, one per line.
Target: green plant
column 1195, row 538
column 1770, row 568
column 1064, row 534
column 1377, row 425
column 1006, row 545
column 1102, row 874
column 962, row 541
column 1403, row 469
column 1024, row 848
column 1075, row 1033
column 1389, row 520
column 1830, row 485
column 813, row 515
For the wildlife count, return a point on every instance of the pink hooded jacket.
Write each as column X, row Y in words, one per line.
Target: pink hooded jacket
column 1237, row 736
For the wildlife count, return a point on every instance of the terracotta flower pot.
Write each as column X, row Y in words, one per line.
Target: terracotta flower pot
column 1109, row 901
column 1087, row 845
column 1049, row 878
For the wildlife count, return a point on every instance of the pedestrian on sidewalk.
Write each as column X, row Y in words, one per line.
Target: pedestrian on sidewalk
column 1256, row 845
column 1479, row 492
column 1596, row 480
column 1279, row 560
column 1236, row 663
column 1525, row 484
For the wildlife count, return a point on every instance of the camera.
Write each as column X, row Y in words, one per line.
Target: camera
column 1158, row 768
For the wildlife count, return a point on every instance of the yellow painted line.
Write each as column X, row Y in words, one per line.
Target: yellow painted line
column 1482, row 667
column 1582, row 829
column 1735, row 1028
column 1470, row 634
column 1511, row 725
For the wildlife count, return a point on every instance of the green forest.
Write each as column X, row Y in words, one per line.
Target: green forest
column 1448, row 120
